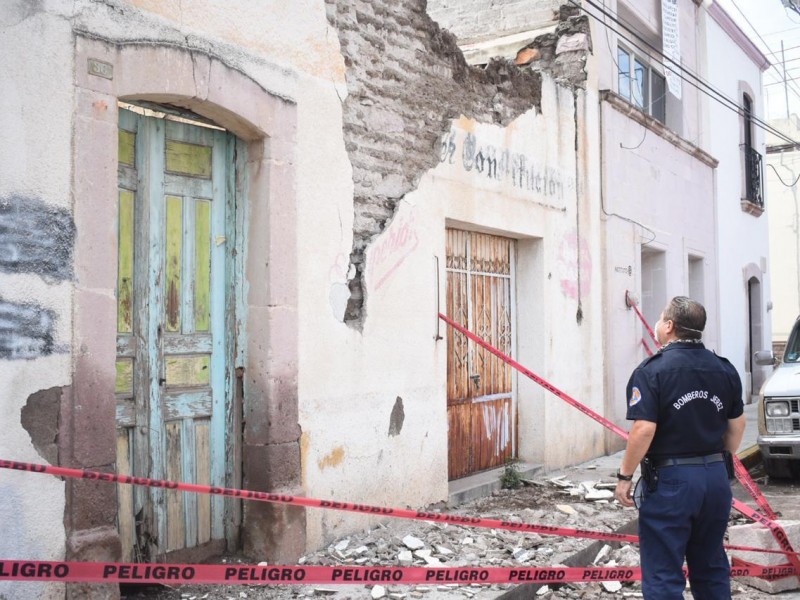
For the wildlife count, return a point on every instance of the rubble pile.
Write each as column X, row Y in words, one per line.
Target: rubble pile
column 587, row 505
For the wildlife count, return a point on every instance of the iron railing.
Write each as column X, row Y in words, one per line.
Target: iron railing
column 754, row 184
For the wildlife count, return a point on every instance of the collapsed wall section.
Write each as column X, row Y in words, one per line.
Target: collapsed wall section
column 406, row 80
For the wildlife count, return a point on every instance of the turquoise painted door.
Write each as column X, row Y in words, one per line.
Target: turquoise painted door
column 174, row 379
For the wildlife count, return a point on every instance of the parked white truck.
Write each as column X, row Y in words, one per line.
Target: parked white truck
column 779, row 410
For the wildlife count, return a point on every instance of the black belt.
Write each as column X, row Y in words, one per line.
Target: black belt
column 689, row 460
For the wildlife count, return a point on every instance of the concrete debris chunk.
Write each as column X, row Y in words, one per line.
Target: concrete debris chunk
column 566, row 509
column 405, row 558
column 602, row 554
column 596, row 495
column 612, row 586
column 342, row 546
column 561, row 482
column 378, row 592
column 443, row 550
column 542, row 590
column 413, row 543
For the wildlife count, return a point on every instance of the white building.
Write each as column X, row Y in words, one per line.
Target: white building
column 736, row 139
column 230, row 231
column 783, row 169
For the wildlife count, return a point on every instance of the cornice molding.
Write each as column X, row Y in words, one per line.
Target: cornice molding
column 626, row 108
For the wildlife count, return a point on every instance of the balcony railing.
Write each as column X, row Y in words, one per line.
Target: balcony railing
column 754, row 186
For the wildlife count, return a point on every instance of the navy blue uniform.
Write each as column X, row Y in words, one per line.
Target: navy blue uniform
column 690, row 393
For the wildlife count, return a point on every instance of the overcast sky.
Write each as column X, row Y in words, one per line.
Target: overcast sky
column 768, row 23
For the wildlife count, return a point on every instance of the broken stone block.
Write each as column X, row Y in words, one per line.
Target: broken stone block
column 566, row 509
column 378, row 592
column 572, row 43
column 596, row 495
column 758, row 536
column 413, row 543
column 405, row 558
column 612, row 586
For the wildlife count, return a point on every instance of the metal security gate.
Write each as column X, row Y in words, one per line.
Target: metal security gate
column 481, row 407
column 174, row 378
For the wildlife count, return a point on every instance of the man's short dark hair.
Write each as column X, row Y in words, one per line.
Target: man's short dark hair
column 688, row 316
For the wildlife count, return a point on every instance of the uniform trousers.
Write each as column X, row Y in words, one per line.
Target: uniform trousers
column 686, row 516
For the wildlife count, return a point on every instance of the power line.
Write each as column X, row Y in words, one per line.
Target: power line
column 763, row 41
column 679, row 70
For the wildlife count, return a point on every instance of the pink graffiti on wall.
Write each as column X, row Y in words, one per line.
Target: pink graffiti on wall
column 574, row 266
column 396, row 244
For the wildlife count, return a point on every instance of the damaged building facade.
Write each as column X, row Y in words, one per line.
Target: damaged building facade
column 228, row 231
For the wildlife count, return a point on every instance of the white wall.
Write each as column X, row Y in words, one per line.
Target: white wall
column 783, row 212
column 743, row 248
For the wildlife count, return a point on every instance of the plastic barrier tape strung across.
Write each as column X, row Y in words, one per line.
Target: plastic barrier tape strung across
column 777, row 531
column 346, row 506
column 90, row 572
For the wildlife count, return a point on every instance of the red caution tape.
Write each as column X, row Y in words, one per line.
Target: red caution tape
column 771, row 573
column 629, row 301
column 93, row 572
column 545, row 384
column 750, row 485
column 402, row 513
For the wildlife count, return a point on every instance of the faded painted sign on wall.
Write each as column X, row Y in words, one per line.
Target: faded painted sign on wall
column 487, row 158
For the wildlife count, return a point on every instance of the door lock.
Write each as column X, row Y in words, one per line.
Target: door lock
column 476, row 379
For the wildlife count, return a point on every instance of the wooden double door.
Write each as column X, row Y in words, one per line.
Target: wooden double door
column 481, row 404
column 174, row 376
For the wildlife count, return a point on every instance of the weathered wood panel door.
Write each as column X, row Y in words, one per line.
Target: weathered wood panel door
column 481, row 410
column 174, row 378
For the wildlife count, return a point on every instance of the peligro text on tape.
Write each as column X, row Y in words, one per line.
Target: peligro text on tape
column 777, row 530
column 363, row 508
column 771, row 573
column 95, row 572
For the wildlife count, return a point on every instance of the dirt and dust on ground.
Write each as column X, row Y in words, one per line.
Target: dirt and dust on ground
column 554, row 501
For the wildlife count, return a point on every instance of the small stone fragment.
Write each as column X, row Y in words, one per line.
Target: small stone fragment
column 378, row 592
column 566, row 509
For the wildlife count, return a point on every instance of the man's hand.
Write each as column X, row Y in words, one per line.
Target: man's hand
column 624, row 493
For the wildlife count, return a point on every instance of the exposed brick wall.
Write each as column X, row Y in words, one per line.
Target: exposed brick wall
column 406, row 80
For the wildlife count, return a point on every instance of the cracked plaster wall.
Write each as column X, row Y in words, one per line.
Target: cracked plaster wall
column 407, row 80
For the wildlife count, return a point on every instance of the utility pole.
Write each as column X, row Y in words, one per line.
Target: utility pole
column 785, row 80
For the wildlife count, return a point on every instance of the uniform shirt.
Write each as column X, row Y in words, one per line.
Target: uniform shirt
column 690, row 393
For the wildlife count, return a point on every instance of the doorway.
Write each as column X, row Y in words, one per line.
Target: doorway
column 174, row 376
column 481, row 404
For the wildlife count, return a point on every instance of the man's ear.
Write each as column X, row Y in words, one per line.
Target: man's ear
column 669, row 326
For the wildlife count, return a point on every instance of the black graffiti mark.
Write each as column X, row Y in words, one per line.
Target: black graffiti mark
column 26, row 331
column 35, row 237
